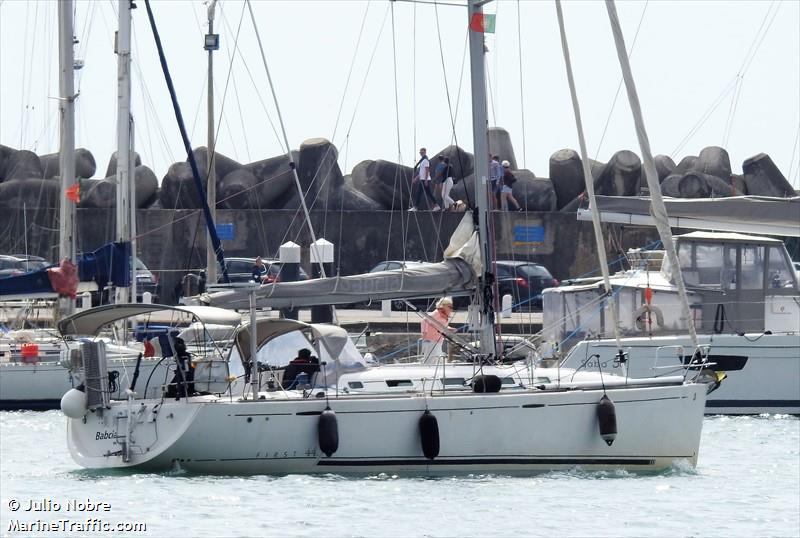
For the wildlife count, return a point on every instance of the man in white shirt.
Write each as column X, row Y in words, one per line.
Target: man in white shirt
column 423, row 176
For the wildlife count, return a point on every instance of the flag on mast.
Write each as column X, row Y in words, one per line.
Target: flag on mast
column 73, row 193
column 482, row 23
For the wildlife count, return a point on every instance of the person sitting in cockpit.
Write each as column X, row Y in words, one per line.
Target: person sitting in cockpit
column 303, row 363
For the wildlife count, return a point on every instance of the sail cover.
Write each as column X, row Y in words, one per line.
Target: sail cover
column 456, row 275
column 108, row 264
column 747, row 214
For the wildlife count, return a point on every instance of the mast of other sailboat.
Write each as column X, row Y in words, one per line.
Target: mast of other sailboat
column 66, row 244
column 126, row 192
column 481, row 149
column 123, row 50
column 211, row 44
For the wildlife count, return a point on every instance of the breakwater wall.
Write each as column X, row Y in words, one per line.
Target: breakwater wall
column 172, row 242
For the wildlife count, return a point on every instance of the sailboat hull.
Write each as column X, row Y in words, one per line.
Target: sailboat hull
column 510, row 433
column 40, row 386
column 762, row 369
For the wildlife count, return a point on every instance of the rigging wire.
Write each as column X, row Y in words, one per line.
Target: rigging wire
column 398, row 176
column 211, row 158
column 704, row 117
column 25, row 65
column 350, row 71
column 252, row 80
column 751, row 54
column 794, row 153
column 521, row 89
column 732, row 84
column 619, row 86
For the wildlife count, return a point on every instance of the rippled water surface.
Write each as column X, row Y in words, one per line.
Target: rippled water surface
column 747, row 483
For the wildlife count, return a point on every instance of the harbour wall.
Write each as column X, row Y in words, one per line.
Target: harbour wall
column 172, row 242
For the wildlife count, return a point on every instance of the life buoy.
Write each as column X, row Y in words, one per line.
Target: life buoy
column 643, row 320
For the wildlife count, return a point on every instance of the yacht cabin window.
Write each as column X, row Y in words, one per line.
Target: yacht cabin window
column 780, row 273
column 752, row 268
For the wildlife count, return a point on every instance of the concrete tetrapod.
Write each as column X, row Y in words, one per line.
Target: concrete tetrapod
column 23, row 164
column 85, row 166
column 763, row 178
column 102, row 193
column 500, row 145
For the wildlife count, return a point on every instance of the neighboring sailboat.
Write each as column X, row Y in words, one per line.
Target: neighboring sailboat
column 35, row 368
column 607, row 422
column 31, row 372
column 744, row 296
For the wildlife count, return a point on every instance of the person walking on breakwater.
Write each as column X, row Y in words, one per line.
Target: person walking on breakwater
column 433, row 330
column 447, row 185
column 259, row 270
column 506, row 193
column 423, row 177
column 495, row 175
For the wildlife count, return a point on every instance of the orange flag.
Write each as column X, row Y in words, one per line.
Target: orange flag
column 74, row 193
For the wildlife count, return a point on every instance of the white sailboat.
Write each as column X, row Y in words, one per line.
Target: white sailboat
column 36, row 366
column 615, row 422
column 32, row 371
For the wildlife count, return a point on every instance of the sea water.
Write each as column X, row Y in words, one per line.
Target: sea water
column 747, row 483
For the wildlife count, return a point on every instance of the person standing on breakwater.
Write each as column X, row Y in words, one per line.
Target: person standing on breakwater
column 438, row 179
column 447, row 184
column 433, row 330
column 259, row 270
column 506, row 194
column 423, row 177
column 495, row 174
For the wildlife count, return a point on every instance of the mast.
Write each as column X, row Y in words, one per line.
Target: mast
column 132, row 209
column 66, row 234
column 481, row 149
column 123, row 131
column 211, row 44
column 587, row 176
column 656, row 201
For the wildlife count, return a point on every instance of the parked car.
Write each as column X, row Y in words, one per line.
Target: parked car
column 241, row 270
column 17, row 264
column 524, row 281
column 423, row 304
column 146, row 280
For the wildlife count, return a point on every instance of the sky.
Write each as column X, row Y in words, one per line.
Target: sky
column 382, row 78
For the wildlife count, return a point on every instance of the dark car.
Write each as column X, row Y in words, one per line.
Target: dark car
column 17, row 264
column 524, row 281
column 390, row 265
column 241, row 270
column 146, row 280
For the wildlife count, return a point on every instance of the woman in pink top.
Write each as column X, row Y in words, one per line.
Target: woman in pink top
column 432, row 339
